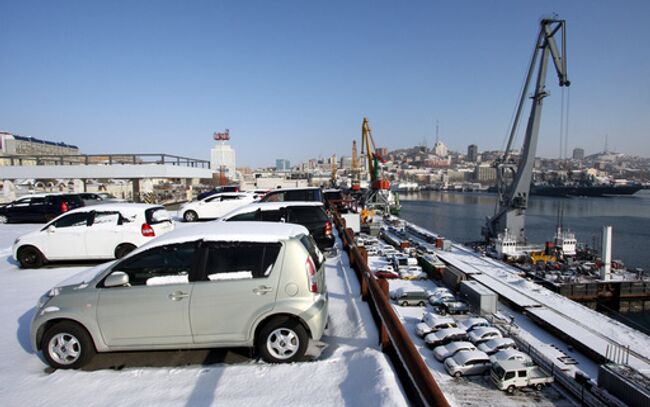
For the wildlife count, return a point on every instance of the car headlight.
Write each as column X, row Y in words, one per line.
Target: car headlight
column 47, row 296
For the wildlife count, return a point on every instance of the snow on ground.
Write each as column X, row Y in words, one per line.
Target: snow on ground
column 464, row 391
column 351, row 370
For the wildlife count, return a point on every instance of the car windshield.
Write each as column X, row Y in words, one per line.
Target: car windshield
column 498, row 371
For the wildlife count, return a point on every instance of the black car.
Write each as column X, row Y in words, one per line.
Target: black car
column 308, row 214
column 294, row 195
column 39, row 208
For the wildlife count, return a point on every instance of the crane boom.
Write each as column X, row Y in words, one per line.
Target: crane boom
column 513, row 196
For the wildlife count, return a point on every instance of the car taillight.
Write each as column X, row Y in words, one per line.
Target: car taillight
column 310, row 268
column 328, row 228
column 64, row 206
column 147, row 230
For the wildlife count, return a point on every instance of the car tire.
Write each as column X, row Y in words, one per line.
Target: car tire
column 404, row 303
column 457, row 375
column 539, row 386
column 510, row 389
column 4, row 219
column 67, row 345
column 190, row 216
column 123, row 249
column 422, row 304
column 282, row 340
column 30, row 257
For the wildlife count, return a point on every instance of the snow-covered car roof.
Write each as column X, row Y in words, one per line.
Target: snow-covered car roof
column 454, row 346
column 115, row 206
column 496, row 342
column 229, row 232
column 268, row 206
column 507, row 354
column 463, row 357
column 479, row 332
column 436, row 319
column 444, row 333
column 469, row 322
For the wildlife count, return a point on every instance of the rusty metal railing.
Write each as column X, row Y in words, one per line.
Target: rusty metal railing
column 414, row 374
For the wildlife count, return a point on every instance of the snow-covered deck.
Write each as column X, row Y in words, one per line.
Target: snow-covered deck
column 350, row 371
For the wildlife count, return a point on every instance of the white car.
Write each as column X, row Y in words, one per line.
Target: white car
column 439, row 290
column 96, row 232
column 510, row 354
column 215, row 206
column 432, row 322
column 495, row 345
column 412, row 273
column 483, row 334
column 473, row 323
column 446, row 351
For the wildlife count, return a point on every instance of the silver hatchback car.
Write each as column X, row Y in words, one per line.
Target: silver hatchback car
column 212, row 285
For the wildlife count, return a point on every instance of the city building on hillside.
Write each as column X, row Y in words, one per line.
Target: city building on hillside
column 440, row 149
column 472, row 153
column 282, row 165
column 578, row 154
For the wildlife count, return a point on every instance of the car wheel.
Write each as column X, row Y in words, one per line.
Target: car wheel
column 30, row 258
column 421, row 304
column 123, row 249
column 282, row 340
column 442, row 311
column 404, row 303
column 67, row 345
column 510, row 389
column 457, row 375
column 190, row 216
column 3, row 219
column 539, row 386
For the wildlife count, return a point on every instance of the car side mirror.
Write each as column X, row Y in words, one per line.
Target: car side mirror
column 51, row 229
column 117, row 279
column 283, row 220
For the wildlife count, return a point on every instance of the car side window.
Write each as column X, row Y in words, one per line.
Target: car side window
column 240, row 260
column 249, row 216
column 271, row 216
column 214, row 199
column 274, row 197
column 73, row 219
column 304, row 214
column 21, row 202
column 230, row 197
column 160, row 266
column 509, row 375
column 37, row 202
column 106, row 218
column 521, row 373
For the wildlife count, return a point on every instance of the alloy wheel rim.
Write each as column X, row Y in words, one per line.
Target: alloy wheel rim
column 64, row 348
column 3, row 219
column 283, row 343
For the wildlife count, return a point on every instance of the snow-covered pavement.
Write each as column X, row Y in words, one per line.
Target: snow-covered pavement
column 350, row 371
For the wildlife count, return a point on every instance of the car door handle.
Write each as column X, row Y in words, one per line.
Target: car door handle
column 261, row 290
column 178, row 295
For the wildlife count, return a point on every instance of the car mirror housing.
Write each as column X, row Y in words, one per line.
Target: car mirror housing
column 117, row 279
column 51, row 229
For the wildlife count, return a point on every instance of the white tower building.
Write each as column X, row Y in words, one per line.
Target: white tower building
column 223, row 155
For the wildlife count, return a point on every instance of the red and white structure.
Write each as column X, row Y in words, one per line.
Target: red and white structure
column 223, row 155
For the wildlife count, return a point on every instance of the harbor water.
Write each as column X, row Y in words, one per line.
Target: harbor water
column 460, row 215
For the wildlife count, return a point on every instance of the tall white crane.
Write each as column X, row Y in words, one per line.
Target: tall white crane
column 513, row 179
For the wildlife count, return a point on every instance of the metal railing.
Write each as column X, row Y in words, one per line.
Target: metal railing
column 416, row 377
column 104, row 159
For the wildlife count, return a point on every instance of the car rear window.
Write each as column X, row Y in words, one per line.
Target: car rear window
column 157, row 215
column 311, row 247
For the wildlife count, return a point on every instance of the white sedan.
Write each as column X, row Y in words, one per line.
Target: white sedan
column 215, row 206
column 93, row 233
column 446, row 351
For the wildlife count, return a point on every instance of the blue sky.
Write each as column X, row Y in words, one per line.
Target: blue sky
column 294, row 79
